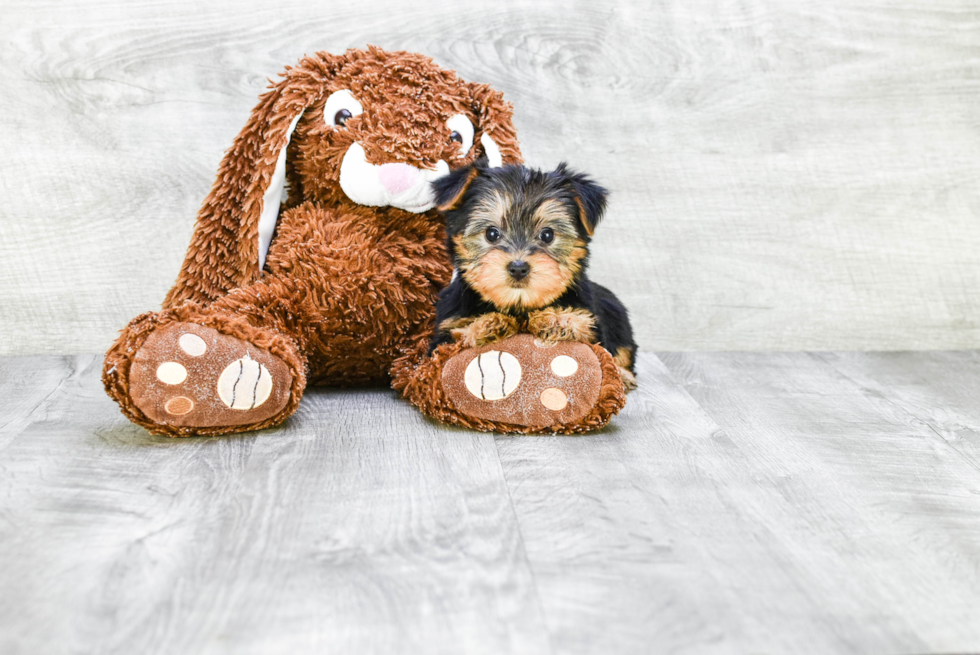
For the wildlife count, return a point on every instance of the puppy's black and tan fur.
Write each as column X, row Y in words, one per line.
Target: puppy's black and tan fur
column 519, row 239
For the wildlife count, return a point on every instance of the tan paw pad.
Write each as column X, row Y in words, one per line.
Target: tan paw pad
column 564, row 366
column 179, row 405
column 554, row 399
column 244, row 384
column 171, row 373
column 192, row 344
column 493, row 375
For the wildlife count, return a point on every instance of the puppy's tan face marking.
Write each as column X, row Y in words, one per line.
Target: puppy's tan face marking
column 543, row 235
column 547, row 213
column 492, row 208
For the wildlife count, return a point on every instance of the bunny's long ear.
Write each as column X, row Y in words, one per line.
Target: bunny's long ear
column 497, row 135
column 238, row 218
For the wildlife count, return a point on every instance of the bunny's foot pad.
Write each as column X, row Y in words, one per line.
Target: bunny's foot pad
column 524, row 382
column 188, row 375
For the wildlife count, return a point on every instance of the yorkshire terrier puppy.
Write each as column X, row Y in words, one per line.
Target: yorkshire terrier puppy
column 519, row 239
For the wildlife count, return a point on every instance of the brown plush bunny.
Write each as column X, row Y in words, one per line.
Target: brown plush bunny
column 334, row 285
column 333, row 280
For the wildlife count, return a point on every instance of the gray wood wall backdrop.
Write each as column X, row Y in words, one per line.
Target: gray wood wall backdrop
column 785, row 175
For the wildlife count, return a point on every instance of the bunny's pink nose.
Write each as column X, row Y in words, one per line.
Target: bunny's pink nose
column 397, row 177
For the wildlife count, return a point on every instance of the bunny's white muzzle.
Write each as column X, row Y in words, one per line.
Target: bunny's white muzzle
column 396, row 185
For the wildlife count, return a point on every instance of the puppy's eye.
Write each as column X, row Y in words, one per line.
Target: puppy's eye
column 493, row 234
column 341, row 107
column 456, row 136
column 547, row 235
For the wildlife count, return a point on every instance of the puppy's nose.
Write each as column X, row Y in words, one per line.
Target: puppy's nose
column 518, row 270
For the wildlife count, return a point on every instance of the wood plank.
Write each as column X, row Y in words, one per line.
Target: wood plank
column 27, row 388
column 784, row 175
column 787, row 515
column 358, row 527
column 883, row 510
column 940, row 390
column 741, row 503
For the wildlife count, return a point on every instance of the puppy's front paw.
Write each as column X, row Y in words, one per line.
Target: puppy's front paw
column 555, row 324
column 485, row 329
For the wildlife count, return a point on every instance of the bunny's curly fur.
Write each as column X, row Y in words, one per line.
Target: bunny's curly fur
column 346, row 288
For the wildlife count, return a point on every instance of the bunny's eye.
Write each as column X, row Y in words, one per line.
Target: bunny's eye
column 341, row 107
column 341, row 116
column 461, row 132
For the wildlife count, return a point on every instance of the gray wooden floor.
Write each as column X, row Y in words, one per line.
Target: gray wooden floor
column 781, row 503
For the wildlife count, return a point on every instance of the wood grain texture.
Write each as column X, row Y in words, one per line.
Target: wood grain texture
column 357, row 528
column 869, row 514
column 753, row 503
column 940, row 392
column 784, row 175
column 772, row 503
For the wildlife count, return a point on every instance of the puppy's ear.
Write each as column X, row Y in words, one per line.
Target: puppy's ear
column 589, row 196
column 450, row 189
